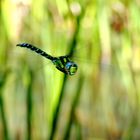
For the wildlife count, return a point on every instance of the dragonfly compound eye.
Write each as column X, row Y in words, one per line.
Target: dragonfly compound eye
column 71, row 68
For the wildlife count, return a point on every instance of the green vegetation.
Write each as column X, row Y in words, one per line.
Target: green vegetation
column 99, row 102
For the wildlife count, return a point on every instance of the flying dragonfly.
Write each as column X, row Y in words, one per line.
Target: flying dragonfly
column 62, row 63
column 69, row 67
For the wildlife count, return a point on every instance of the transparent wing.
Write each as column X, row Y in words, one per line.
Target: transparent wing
column 90, row 57
column 23, row 56
column 90, row 61
column 112, row 71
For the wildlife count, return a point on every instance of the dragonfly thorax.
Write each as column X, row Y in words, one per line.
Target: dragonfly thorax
column 65, row 65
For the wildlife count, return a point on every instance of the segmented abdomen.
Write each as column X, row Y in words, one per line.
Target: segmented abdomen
column 35, row 49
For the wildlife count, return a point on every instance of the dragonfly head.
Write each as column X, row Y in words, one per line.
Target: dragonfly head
column 71, row 67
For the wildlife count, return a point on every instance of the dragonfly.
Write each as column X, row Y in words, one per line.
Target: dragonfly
column 62, row 63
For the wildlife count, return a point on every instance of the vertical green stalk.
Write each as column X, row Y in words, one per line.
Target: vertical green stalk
column 74, row 103
column 3, row 77
column 72, row 47
column 2, row 111
column 29, row 107
column 56, row 112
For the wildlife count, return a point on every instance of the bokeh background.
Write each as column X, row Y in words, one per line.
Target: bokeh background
column 101, row 101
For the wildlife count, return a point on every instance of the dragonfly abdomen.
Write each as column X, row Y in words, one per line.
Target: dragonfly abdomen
column 37, row 50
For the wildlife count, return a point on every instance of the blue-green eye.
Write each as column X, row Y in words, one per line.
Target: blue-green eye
column 71, row 68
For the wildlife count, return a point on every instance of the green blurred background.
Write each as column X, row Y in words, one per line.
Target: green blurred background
column 101, row 101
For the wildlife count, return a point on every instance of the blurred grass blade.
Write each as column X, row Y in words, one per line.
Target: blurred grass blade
column 2, row 107
column 72, row 48
column 73, row 107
